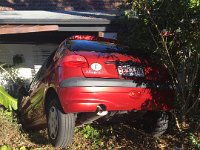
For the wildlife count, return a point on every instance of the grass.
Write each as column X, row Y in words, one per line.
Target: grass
column 94, row 137
column 11, row 133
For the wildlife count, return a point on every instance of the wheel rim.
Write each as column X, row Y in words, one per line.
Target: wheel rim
column 53, row 122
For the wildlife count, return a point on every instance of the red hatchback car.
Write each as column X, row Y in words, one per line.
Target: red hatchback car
column 88, row 78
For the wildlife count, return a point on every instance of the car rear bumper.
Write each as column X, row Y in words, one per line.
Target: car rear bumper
column 85, row 94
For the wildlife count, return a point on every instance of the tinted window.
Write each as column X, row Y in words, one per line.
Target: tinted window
column 50, row 59
column 83, row 45
column 44, row 67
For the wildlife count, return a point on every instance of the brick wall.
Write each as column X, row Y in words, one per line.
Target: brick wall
column 84, row 5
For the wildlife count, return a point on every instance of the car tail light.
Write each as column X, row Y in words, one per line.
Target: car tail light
column 83, row 37
column 75, row 61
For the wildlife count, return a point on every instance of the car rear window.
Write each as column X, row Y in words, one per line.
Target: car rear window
column 98, row 46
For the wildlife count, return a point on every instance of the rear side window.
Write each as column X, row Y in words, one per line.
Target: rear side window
column 98, row 46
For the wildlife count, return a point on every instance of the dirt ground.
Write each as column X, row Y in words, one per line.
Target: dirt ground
column 112, row 137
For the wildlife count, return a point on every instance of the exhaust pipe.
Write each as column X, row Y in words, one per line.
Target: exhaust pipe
column 101, row 110
column 87, row 118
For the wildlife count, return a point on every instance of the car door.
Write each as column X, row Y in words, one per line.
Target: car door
column 35, row 112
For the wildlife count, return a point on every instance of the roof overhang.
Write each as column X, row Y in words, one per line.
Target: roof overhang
column 15, row 29
column 55, row 21
column 62, row 18
column 14, row 22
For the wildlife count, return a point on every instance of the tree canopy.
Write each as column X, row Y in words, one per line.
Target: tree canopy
column 171, row 29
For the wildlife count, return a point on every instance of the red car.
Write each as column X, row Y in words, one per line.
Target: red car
column 88, row 78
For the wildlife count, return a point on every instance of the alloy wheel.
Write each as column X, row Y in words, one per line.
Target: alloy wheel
column 53, row 122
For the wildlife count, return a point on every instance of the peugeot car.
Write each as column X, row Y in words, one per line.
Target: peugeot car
column 89, row 78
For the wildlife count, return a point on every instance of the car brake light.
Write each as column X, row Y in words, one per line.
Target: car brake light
column 91, row 38
column 75, row 61
column 83, row 37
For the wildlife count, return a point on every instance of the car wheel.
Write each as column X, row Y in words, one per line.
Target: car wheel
column 156, row 123
column 60, row 125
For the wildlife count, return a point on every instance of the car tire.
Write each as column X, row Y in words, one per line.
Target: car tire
column 156, row 122
column 60, row 125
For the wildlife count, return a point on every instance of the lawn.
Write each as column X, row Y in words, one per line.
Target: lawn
column 118, row 136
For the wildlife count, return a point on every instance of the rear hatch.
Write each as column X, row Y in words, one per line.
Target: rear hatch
column 111, row 65
column 108, row 60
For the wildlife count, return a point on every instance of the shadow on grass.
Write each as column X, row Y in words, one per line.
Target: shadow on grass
column 39, row 137
column 125, row 136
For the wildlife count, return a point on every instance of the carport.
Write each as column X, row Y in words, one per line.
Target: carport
column 34, row 34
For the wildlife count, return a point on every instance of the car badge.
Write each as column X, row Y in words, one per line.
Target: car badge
column 96, row 66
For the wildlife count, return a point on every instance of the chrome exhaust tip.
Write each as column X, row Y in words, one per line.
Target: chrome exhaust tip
column 101, row 111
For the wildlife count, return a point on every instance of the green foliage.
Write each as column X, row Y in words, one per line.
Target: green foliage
column 171, row 29
column 9, row 76
column 4, row 147
column 6, row 115
column 194, row 141
column 7, row 147
column 7, row 101
column 91, row 134
column 194, row 3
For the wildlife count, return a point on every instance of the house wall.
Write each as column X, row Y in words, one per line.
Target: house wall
column 60, row 5
column 33, row 54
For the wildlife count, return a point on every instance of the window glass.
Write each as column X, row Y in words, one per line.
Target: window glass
column 44, row 67
column 60, row 50
column 50, row 59
column 98, row 46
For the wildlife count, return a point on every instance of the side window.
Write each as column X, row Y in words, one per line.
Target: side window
column 50, row 59
column 60, row 50
column 42, row 70
column 37, row 77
